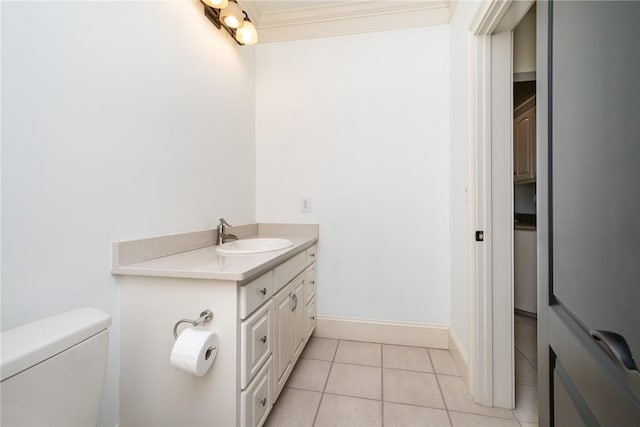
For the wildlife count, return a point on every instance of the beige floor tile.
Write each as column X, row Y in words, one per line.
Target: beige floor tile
column 521, row 320
column 526, row 403
column 413, row 388
column 443, row 362
column 338, row 411
column 526, row 424
column 320, row 349
column 525, row 372
column 458, row 399
column 294, row 408
column 309, row 374
column 471, row 420
column 397, row 415
column 526, row 337
column 409, row 358
column 361, row 353
column 355, row 380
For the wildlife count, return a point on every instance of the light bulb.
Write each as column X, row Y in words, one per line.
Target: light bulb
column 231, row 16
column 218, row 4
column 247, row 34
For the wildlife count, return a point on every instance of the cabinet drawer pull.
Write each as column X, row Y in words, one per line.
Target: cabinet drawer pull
column 312, row 255
column 263, row 402
column 263, row 339
column 263, row 291
column 312, row 317
column 313, row 282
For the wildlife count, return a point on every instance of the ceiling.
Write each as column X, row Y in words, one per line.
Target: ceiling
column 281, row 20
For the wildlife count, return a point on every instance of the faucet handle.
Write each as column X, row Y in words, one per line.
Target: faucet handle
column 224, row 222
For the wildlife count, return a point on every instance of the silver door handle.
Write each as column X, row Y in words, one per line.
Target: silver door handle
column 263, row 291
column 263, row 339
column 616, row 347
column 295, row 300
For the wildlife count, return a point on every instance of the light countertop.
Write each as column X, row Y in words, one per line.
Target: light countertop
column 206, row 263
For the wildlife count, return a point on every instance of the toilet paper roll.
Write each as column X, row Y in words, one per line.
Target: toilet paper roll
column 195, row 351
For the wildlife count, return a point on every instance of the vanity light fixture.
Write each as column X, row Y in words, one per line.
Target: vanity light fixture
column 228, row 15
column 218, row 4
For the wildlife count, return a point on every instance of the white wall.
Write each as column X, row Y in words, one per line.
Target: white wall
column 524, row 43
column 459, row 155
column 361, row 125
column 120, row 120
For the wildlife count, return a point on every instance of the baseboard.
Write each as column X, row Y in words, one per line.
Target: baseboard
column 397, row 333
column 459, row 355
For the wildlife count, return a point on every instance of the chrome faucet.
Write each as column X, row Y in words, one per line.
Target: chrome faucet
column 223, row 236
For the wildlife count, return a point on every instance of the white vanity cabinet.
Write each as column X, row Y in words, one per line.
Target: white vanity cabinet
column 263, row 324
column 277, row 331
column 294, row 323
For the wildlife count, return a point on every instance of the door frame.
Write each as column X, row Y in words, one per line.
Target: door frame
column 491, row 341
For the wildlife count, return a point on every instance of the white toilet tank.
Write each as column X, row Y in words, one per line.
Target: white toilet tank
column 53, row 370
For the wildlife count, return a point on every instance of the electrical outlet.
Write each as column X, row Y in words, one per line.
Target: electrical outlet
column 305, row 204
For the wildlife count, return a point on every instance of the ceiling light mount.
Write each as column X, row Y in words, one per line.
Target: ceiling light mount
column 235, row 21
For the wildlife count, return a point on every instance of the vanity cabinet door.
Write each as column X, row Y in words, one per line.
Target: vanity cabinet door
column 284, row 337
column 524, row 146
column 297, row 318
column 283, row 331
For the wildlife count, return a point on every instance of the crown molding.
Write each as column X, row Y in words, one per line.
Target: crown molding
column 352, row 17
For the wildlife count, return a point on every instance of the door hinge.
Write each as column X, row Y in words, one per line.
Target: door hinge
column 479, row 236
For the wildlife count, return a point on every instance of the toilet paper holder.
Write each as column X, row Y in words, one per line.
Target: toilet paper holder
column 205, row 317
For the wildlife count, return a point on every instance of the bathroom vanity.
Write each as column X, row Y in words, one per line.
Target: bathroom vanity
column 264, row 309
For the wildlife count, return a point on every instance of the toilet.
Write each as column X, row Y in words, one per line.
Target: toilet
column 53, row 370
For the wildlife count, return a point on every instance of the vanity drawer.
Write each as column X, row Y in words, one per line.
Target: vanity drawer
column 288, row 270
column 255, row 345
column 256, row 401
column 255, row 293
column 310, row 317
column 309, row 283
column 311, row 254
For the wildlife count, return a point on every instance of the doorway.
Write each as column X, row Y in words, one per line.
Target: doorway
column 524, row 218
column 498, row 336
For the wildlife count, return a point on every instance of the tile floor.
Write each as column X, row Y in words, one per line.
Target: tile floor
column 526, row 358
column 348, row 383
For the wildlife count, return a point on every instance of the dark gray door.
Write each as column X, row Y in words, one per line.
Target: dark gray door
column 592, row 314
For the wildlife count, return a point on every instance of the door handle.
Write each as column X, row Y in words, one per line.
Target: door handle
column 294, row 297
column 616, row 348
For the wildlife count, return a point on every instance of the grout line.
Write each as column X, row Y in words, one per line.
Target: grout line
column 433, row 366
column 381, row 387
column 484, row 415
column 355, row 397
column 325, row 383
column 444, row 402
column 533, row 365
column 412, row 405
column 374, row 366
column 356, row 364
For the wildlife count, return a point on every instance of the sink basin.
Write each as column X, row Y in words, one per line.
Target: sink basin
column 252, row 246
